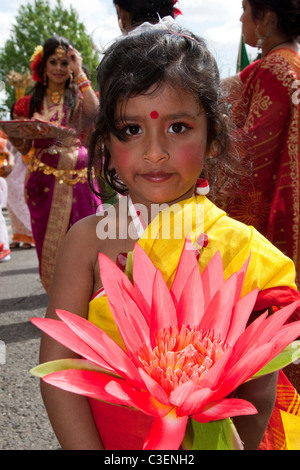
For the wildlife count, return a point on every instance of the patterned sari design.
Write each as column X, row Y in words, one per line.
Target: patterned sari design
column 268, row 121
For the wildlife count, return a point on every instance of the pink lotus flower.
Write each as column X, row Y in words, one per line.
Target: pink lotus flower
column 187, row 348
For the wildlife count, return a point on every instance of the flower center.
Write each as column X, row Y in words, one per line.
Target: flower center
column 181, row 355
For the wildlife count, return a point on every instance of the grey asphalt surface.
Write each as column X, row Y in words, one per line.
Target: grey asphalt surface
column 24, row 423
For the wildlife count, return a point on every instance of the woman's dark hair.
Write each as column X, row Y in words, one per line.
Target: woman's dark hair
column 287, row 11
column 39, row 89
column 147, row 10
column 139, row 63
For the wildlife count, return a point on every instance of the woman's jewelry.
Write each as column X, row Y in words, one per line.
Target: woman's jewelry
column 276, row 45
column 81, row 77
column 202, row 187
column 261, row 39
column 60, row 50
column 83, row 87
column 82, row 82
column 71, row 78
column 55, row 96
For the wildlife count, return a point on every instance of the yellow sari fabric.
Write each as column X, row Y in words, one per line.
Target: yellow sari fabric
column 268, row 267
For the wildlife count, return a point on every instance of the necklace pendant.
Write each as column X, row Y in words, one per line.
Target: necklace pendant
column 55, row 97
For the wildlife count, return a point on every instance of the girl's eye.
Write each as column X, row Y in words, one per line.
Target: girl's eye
column 177, row 128
column 133, row 130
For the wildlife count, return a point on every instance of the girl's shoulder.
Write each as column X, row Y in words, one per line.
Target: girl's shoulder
column 83, row 232
column 95, row 233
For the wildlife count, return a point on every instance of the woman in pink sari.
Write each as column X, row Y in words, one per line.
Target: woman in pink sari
column 57, row 190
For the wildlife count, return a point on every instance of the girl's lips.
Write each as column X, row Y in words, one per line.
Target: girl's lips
column 156, row 177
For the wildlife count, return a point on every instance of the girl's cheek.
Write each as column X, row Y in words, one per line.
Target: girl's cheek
column 192, row 153
column 119, row 154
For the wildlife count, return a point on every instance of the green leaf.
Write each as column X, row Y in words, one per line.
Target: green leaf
column 216, row 435
column 129, row 265
column 64, row 364
column 287, row 356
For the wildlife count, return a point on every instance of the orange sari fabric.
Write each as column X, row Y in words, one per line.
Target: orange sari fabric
column 268, row 119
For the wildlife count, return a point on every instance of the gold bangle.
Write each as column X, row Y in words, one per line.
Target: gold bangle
column 82, row 77
column 85, row 88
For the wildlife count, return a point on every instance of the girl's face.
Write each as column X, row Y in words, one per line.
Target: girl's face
column 58, row 70
column 248, row 24
column 166, row 140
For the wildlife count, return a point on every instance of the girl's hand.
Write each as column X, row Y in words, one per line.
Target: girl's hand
column 75, row 60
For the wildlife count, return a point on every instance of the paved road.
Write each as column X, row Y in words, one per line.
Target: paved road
column 24, row 424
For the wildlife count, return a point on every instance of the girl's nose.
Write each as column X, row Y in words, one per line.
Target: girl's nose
column 156, row 151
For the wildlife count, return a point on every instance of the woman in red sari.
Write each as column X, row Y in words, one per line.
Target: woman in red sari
column 265, row 110
column 265, row 98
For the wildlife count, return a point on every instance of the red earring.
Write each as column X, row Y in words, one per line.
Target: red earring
column 202, row 187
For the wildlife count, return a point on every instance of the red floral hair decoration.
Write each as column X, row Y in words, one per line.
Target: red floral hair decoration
column 177, row 12
column 35, row 64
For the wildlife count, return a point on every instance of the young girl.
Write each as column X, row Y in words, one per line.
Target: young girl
column 159, row 121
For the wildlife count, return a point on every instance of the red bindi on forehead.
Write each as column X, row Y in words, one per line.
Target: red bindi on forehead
column 154, row 115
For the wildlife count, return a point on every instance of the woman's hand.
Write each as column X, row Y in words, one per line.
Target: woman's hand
column 75, row 60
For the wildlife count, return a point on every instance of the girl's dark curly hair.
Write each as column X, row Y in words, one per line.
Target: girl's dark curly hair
column 146, row 10
column 39, row 89
column 138, row 63
column 287, row 11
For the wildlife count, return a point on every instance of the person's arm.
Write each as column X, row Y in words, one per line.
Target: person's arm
column 70, row 414
column 90, row 101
